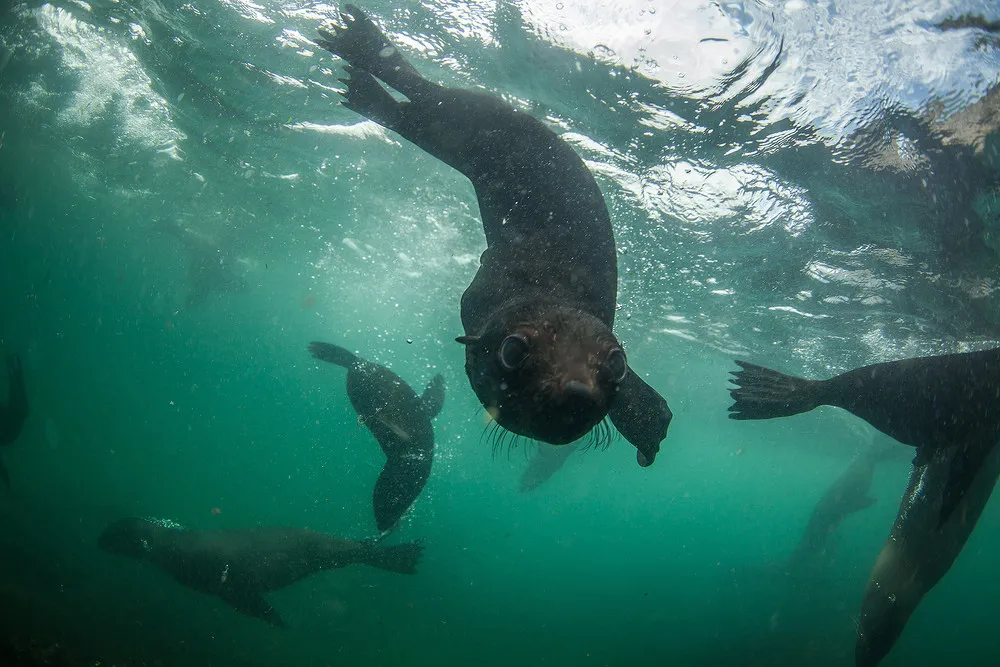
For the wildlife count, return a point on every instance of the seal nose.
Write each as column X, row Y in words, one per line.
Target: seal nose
column 579, row 390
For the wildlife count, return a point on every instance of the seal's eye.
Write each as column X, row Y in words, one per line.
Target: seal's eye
column 513, row 351
column 617, row 365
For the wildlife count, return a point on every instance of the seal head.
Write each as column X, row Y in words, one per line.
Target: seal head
column 545, row 371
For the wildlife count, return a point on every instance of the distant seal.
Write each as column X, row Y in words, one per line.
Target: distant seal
column 920, row 550
column 400, row 421
column 240, row 566
column 14, row 412
column 930, row 403
column 848, row 494
column 540, row 352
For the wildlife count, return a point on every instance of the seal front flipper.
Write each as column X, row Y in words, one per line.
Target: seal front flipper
column 359, row 41
column 365, row 96
column 641, row 415
column 762, row 393
column 962, row 471
column 333, row 354
column 433, row 397
column 247, row 599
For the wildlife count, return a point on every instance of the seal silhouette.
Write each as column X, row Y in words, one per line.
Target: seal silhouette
column 538, row 316
column 240, row 566
column 401, row 423
column 14, row 412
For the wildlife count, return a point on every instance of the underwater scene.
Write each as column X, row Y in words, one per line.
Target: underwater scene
column 512, row 332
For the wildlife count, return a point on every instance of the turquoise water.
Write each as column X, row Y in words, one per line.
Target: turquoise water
column 807, row 185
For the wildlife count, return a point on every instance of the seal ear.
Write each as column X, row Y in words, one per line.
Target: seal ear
column 467, row 340
column 641, row 415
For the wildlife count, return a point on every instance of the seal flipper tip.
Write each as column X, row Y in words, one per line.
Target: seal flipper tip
column 433, row 396
column 642, row 416
column 249, row 600
column 333, row 354
column 762, row 393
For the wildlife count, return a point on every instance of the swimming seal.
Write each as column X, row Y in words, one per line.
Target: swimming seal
column 240, row 566
column 400, row 421
column 920, row 550
column 930, row 403
column 14, row 412
column 538, row 316
column 848, row 494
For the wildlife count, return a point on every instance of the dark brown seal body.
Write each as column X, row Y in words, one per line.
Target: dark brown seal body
column 240, row 566
column 920, row 550
column 14, row 412
column 540, row 352
column 400, row 421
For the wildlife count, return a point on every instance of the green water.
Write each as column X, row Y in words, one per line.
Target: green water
column 216, row 416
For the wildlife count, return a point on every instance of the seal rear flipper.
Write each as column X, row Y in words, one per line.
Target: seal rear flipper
column 333, row 354
column 762, row 393
column 433, row 397
column 249, row 600
column 398, row 485
column 401, row 558
column 641, row 415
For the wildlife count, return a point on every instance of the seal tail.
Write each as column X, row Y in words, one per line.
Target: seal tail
column 333, row 354
column 401, row 558
column 762, row 393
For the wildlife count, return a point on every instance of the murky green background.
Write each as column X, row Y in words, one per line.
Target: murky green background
column 784, row 187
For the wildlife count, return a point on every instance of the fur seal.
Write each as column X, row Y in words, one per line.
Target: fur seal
column 14, row 412
column 848, row 495
column 538, row 316
column 930, row 403
column 920, row 550
column 400, row 421
column 240, row 566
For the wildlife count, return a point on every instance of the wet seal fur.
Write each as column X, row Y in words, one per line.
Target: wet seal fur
column 14, row 412
column 400, row 421
column 240, row 566
column 920, row 549
column 538, row 317
column 930, row 403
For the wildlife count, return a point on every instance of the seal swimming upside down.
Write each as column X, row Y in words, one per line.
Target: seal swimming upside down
column 240, row 566
column 14, row 412
column 538, row 316
column 400, row 421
